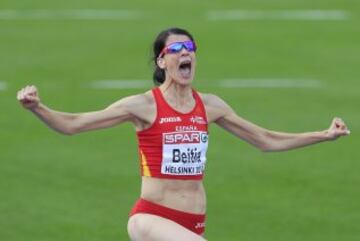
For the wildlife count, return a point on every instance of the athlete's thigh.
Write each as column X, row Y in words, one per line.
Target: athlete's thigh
column 147, row 227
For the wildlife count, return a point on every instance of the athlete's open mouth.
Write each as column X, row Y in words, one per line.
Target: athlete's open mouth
column 185, row 69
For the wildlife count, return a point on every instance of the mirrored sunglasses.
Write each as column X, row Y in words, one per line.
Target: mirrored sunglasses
column 177, row 47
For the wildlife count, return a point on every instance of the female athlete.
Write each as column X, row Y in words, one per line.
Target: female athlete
column 171, row 123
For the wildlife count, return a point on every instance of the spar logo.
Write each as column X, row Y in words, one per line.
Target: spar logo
column 170, row 119
column 185, row 137
column 184, row 152
column 198, row 119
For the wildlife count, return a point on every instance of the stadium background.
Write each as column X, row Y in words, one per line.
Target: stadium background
column 55, row 187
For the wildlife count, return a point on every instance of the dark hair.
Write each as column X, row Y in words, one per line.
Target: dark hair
column 159, row 44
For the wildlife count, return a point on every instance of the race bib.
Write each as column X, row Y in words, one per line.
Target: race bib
column 184, row 153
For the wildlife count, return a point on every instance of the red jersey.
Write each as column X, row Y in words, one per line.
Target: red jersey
column 175, row 145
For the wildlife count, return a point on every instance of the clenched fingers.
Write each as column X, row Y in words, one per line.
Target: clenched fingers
column 339, row 125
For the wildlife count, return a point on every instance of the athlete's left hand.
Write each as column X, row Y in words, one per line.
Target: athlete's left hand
column 337, row 128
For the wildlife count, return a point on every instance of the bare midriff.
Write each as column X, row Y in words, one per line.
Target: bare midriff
column 183, row 195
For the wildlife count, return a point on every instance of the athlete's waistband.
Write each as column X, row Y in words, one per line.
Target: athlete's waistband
column 193, row 222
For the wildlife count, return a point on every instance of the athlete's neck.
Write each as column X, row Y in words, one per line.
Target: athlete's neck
column 177, row 94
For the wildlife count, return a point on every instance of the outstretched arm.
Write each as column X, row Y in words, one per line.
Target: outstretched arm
column 73, row 123
column 267, row 140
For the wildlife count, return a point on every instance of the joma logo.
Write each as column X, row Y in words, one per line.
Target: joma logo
column 169, row 119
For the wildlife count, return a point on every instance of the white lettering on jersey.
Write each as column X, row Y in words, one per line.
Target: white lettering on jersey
column 170, row 119
column 198, row 120
column 186, row 128
column 184, row 153
column 199, row 225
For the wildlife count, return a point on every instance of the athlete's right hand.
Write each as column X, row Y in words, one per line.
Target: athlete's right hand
column 28, row 97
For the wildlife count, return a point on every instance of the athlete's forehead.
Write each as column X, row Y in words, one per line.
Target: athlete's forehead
column 176, row 38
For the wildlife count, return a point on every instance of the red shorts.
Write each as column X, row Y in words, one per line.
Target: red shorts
column 193, row 222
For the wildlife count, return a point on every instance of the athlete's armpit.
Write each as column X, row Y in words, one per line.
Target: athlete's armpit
column 215, row 107
column 222, row 114
column 132, row 108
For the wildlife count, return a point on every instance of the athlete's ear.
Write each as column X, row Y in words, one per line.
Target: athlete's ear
column 161, row 62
